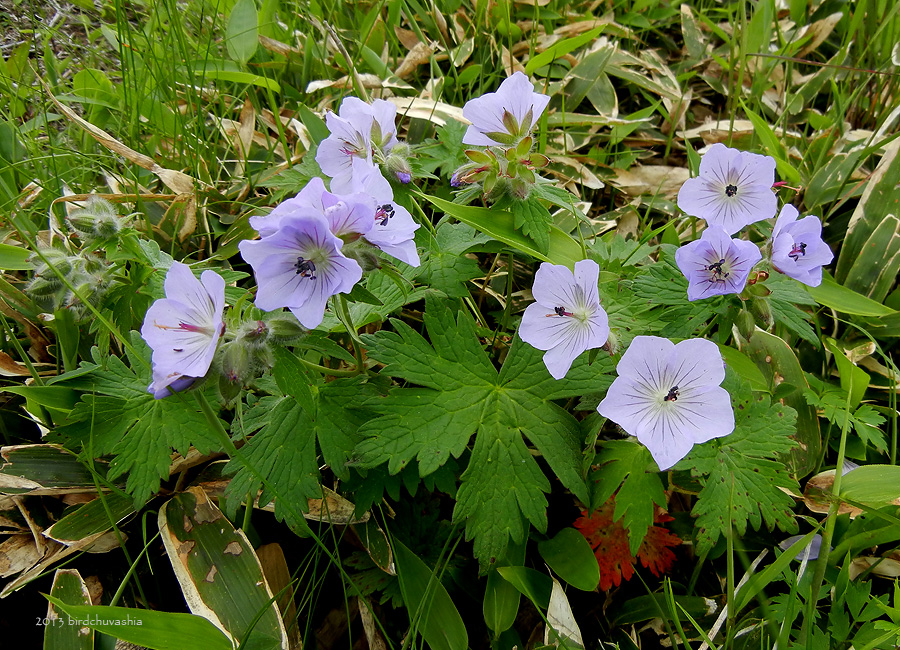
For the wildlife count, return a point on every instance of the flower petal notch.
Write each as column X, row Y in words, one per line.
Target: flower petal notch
column 715, row 264
column 797, row 247
column 669, row 396
column 300, row 266
column 733, row 189
column 506, row 116
column 183, row 329
column 567, row 318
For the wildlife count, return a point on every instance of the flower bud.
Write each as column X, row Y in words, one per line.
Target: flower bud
column 98, row 219
column 237, row 364
column 363, row 252
column 43, row 286
column 763, row 311
column 397, row 162
column 252, row 333
column 284, row 328
column 746, row 324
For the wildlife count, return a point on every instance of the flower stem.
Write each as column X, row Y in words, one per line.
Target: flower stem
column 343, row 314
column 830, row 521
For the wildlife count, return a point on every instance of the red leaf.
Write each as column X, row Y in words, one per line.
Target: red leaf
column 609, row 540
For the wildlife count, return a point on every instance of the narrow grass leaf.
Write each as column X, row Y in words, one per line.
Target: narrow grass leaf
column 64, row 632
column 144, row 627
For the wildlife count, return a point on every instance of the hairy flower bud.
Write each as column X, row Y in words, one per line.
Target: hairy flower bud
column 237, row 363
column 284, row 328
column 98, row 219
column 252, row 333
column 397, row 162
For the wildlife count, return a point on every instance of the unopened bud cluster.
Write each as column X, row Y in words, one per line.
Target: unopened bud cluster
column 86, row 273
column 501, row 171
column 250, row 352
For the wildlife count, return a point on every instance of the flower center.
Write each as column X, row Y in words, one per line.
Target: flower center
column 672, row 395
column 305, row 268
column 797, row 251
column 383, row 213
column 730, row 190
column 716, row 273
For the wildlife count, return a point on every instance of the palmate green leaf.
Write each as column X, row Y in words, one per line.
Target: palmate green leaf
column 119, row 417
column 284, row 449
column 832, row 405
column 742, row 483
column 445, row 267
column 503, row 487
column 533, row 219
column 623, row 467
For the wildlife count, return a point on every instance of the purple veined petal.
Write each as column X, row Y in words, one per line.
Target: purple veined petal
column 798, row 250
column 308, row 200
column 811, row 552
column 368, row 179
column 732, row 190
column 554, row 286
column 644, row 362
column 696, row 362
column 668, row 396
column 716, row 264
column 351, row 214
column 787, row 216
column 543, row 329
column 475, row 137
column 586, row 274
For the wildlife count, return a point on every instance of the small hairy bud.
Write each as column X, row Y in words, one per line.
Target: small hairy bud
column 397, row 162
column 41, row 286
column 284, row 328
column 98, row 219
column 237, row 363
column 252, row 333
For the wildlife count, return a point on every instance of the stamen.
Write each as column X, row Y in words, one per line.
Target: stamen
column 797, row 251
column 384, row 213
column 305, row 268
column 672, row 395
column 730, row 190
column 560, row 311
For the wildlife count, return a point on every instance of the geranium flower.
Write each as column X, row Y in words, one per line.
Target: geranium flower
column 733, row 190
column 506, row 116
column 669, row 397
column 299, row 267
column 393, row 227
column 356, row 131
column 797, row 247
column 715, row 264
column 567, row 318
column 183, row 329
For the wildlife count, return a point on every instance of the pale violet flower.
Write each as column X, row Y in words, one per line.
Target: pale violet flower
column 733, row 190
column 797, row 247
column 669, row 396
column 393, row 228
column 299, row 267
column 567, row 318
column 715, row 264
column 356, row 132
column 183, row 329
column 506, row 116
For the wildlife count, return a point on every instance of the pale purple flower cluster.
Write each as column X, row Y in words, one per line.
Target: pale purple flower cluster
column 299, row 262
column 734, row 190
column 183, row 329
